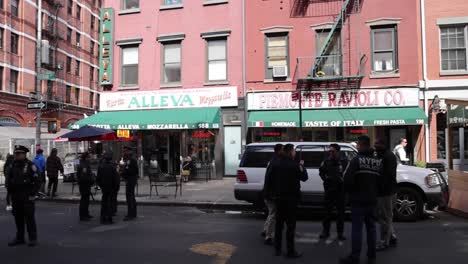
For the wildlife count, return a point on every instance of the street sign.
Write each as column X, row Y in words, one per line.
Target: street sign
column 36, row 105
column 46, row 76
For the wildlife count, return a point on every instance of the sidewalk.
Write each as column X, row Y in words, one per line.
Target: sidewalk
column 214, row 194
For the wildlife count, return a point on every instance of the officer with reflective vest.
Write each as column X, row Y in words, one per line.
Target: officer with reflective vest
column 23, row 185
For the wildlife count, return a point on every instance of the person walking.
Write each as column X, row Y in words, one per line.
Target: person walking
column 108, row 180
column 130, row 175
column 53, row 167
column 23, row 185
column 6, row 171
column 40, row 163
column 286, row 177
column 400, row 152
column 362, row 182
column 387, row 196
column 331, row 171
column 269, row 225
column 85, row 181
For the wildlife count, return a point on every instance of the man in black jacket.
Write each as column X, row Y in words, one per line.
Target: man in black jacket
column 387, row 197
column 85, row 181
column 286, row 180
column 108, row 180
column 331, row 171
column 130, row 175
column 23, row 185
column 362, row 180
column 268, row 196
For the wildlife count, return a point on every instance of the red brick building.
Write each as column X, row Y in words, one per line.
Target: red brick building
column 70, row 33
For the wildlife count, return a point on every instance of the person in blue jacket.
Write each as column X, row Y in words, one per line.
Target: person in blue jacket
column 40, row 163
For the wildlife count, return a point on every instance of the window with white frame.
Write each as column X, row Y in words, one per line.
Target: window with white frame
column 14, row 7
column 384, row 49
column 78, row 39
column 130, row 4
column 331, row 60
column 129, row 68
column 172, row 2
column 172, row 62
column 14, row 43
column 217, row 60
column 453, row 53
column 14, row 81
column 277, row 53
column 78, row 12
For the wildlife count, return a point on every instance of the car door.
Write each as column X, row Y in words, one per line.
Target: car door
column 312, row 189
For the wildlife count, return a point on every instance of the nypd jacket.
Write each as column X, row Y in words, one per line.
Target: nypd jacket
column 23, row 179
column 332, row 172
column 363, row 179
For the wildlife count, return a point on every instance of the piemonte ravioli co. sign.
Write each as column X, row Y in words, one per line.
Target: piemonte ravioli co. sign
column 165, row 99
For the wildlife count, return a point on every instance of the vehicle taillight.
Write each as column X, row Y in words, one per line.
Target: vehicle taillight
column 241, row 177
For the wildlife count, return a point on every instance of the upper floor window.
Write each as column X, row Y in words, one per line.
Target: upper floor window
column 91, row 99
column 68, row 94
column 384, row 49
column 1, row 38
column 129, row 68
column 1, row 4
column 172, row 61
column 130, row 4
column 68, row 65
column 70, row 7
column 91, row 47
column 217, row 60
column 78, row 12
column 14, row 43
column 453, row 47
column 93, row 21
column 14, row 7
column 77, row 96
column 78, row 39
column 77, row 68
column 331, row 59
column 277, row 56
column 91, row 73
column 172, row 2
column 14, row 81
column 69, row 35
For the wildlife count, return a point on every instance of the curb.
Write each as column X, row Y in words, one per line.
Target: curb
column 208, row 205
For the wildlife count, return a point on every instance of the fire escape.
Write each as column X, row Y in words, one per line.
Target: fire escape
column 51, row 37
column 314, row 72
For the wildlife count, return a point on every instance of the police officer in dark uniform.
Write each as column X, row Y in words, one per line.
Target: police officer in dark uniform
column 130, row 175
column 331, row 172
column 108, row 179
column 23, row 185
column 363, row 182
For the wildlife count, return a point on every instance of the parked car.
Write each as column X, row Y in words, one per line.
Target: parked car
column 418, row 188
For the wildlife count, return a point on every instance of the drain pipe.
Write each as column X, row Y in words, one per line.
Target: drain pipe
column 244, row 80
column 425, row 79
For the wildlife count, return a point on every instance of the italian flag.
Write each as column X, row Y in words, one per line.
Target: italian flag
column 259, row 124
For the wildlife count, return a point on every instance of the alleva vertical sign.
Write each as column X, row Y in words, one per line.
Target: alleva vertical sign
column 106, row 48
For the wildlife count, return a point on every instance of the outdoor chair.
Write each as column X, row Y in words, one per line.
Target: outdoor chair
column 160, row 179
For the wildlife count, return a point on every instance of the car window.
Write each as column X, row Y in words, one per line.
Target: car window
column 349, row 153
column 257, row 156
column 312, row 155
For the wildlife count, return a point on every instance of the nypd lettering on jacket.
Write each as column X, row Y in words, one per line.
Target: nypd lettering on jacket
column 370, row 163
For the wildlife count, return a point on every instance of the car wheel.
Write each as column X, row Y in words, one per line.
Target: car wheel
column 409, row 204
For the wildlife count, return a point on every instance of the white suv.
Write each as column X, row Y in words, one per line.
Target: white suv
column 418, row 188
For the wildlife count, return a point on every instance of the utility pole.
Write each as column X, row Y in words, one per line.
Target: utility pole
column 38, row 70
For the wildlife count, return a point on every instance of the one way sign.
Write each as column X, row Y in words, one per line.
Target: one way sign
column 36, row 105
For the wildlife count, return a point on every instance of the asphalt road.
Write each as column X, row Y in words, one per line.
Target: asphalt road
column 188, row 235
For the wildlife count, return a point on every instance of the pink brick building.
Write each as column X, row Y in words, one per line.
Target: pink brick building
column 378, row 40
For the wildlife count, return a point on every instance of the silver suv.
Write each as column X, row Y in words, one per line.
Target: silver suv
column 418, row 188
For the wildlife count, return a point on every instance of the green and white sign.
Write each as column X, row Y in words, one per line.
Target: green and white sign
column 106, row 51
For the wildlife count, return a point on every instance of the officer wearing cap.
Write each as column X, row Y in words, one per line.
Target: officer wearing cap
column 23, row 185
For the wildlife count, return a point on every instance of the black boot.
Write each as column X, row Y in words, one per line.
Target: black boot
column 16, row 242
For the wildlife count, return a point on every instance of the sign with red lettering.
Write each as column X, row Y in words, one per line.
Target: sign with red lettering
column 202, row 134
column 326, row 99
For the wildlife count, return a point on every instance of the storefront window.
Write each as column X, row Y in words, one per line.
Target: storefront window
column 200, row 145
column 441, row 138
column 353, row 133
column 456, row 143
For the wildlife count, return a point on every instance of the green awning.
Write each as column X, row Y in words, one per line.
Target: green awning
column 402, row 116
column 187, row 118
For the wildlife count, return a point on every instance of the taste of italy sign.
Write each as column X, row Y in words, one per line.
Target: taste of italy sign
column 167, row 99
column 399, row 97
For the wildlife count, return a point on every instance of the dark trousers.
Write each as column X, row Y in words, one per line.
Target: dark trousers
column 334, row 199
column 8, row 198
column 43, row 182
column 286, row 211
column 106, row 206
column 53, row 182
column 85, row 192
column 114, row 202
column 131, row 201
column 23, row 211
column 361, row 215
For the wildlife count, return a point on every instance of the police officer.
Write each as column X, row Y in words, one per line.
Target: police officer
column 286, row 178
column 108, row 179
column 85, row 181
column 130, row 175
column 23, row 185
column 331, row 171
column 363, row 182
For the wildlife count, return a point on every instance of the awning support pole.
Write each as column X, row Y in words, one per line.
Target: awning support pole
column 300, row 115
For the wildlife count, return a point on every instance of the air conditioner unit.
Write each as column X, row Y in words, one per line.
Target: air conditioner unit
column 280, row 71
column 78, row 44
column 60, row 65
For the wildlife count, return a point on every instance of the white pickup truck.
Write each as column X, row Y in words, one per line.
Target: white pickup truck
column 418, row 188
